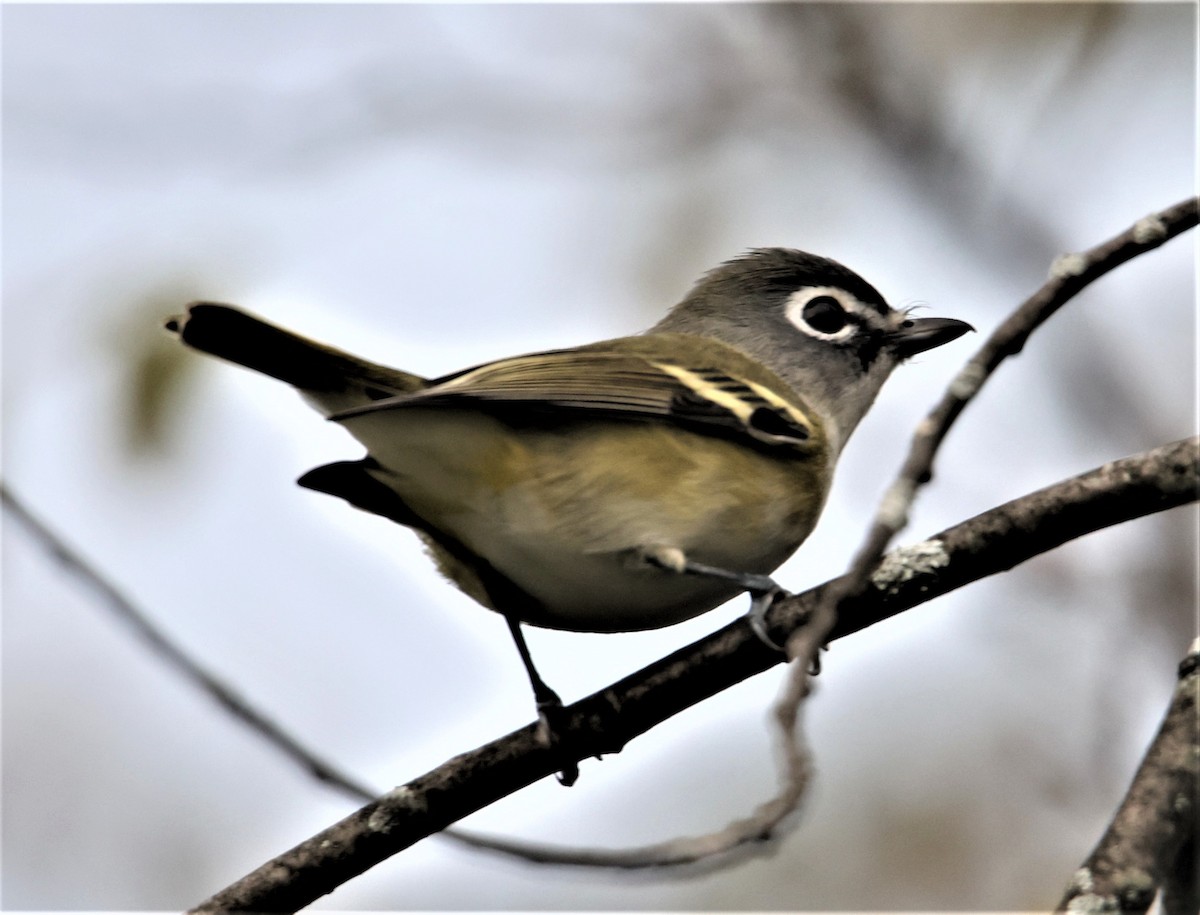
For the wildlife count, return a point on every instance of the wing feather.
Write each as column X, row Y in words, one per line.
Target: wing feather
column 571, row 385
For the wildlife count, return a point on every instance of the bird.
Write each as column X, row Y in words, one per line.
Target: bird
column 616, row 486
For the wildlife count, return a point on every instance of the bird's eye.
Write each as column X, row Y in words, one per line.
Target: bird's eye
column 825, row 314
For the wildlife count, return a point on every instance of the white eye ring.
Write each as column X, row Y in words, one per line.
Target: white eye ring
column 801, row 299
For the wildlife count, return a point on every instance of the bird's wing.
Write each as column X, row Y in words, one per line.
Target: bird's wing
column 611, row 382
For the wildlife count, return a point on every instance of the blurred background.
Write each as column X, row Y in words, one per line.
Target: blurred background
column 433, row 186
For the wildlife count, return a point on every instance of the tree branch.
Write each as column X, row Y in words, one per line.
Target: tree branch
column 173, row 655
column 1068, row 276
column 604, row 722
column 1155, row 826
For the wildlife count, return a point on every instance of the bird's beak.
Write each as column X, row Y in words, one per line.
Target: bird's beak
column 916, row 335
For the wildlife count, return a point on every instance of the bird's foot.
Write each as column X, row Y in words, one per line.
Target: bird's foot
column 762, row 588
column 552, row 734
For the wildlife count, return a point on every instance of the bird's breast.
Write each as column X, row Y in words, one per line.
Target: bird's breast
column 564, row 512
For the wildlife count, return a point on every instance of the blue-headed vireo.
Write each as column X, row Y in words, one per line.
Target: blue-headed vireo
column 623, row 485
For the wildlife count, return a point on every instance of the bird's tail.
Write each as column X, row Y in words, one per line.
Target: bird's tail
column 332, row 379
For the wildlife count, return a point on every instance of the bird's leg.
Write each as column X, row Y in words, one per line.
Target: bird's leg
column 551, row 720
column 762, row 588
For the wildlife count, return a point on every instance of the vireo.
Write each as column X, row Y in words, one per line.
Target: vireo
column 623, row 485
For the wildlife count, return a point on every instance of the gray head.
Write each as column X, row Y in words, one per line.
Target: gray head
column 821, row 327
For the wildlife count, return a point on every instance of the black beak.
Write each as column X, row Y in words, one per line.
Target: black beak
column 917, row 335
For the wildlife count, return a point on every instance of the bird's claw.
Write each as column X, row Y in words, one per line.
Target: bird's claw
column 761, row 601
column 552, row 728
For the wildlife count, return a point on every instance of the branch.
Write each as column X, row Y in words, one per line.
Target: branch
column 1068, row 276
column 1156, row 823
column 173, row 655
column 992, row 542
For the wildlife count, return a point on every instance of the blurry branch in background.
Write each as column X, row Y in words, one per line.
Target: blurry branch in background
column 894, row 102
column 1151, row 842
column 125, row 609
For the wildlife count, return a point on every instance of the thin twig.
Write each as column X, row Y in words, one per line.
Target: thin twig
column 1140, row 850
column 175, row 656
column 603, row 723
column 1069, row 275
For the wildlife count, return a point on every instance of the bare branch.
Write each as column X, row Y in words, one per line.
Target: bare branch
column 175, row 656
column 604, row 722
column 1155, row 826
column 1068, row 276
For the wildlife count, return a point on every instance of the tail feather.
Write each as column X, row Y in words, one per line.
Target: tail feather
column 352, row 481
column 334, row 379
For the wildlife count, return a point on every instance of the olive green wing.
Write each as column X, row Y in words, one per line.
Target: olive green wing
column 709, row 391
